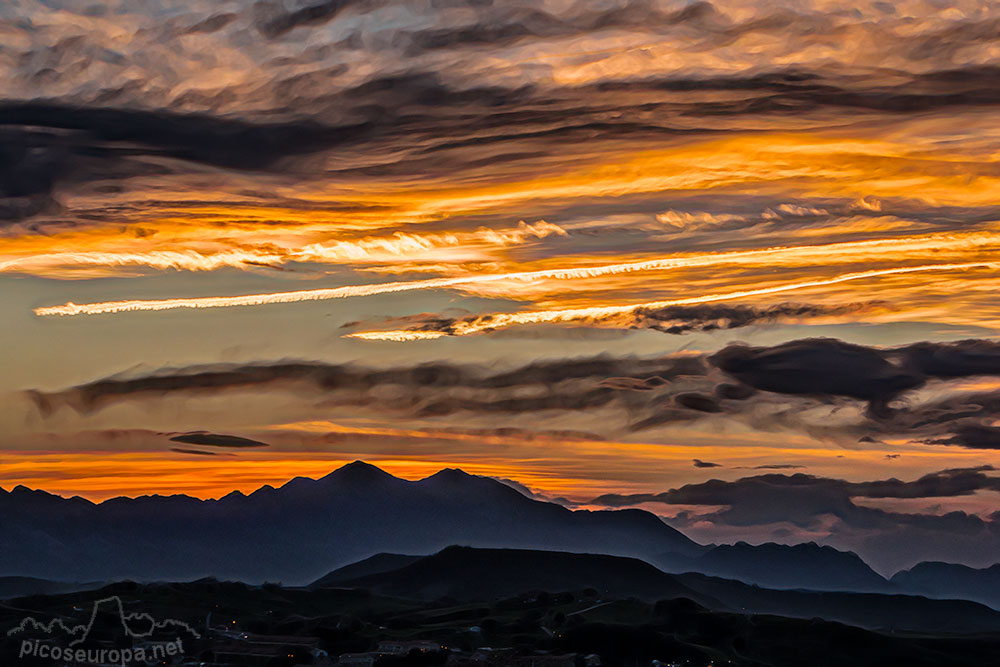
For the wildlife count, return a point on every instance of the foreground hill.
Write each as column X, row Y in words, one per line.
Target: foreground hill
column 463, row 573
column 276, row 626
column 298, row 531
column 12, row 587
column 373, row 565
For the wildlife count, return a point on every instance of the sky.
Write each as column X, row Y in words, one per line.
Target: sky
column 611, row 250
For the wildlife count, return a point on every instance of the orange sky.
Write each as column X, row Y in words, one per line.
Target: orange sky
column 493, row 204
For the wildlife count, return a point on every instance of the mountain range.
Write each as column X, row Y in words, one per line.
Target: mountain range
column 307, row 527
column 347, row 515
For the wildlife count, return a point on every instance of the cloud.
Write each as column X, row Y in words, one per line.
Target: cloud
column 327, row 78
column 505, row 26
column 426, row 389
column 611, row 315
column 953, row 360
column 945, row 483
column 698, row 463
column 590, row 314
column 777, row 385
column 274, row 22
column 44, row 146
column 667, row 319
column 766, row 387
column 971, row 435
column 534, row 495
column 803, row 506
column 817, row 366
column 216, row 440
column 830, row 367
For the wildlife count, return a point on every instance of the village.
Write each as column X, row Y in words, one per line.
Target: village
column 228, row 648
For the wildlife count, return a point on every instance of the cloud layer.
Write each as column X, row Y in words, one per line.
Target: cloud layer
column 761, row 386
column 776, row 506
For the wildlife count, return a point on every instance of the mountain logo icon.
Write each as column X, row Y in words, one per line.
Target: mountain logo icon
column 116, row 637
column 135, row 625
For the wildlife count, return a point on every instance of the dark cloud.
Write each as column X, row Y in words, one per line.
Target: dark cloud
column 426, row 389
column 699, row 402
column 224, row 142
column 953, row 360
column 955, row 482
column 698, row 463
column 776, row 386
column 212, row 24
column 804, row 504
column 734, row 392
column 708, row 317
column 274, row 21
column 671, row 319
column 830, row 367
column 817, row 366
column 971, row 435
column 414, row 124
column 216, row 440
column 43, row 145
column 946, row 483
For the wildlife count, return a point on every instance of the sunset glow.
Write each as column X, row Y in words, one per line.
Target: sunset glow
column 594, row 248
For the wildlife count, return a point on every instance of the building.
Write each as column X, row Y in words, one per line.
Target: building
column 566, row 660
column 249, row 648
column 358, row 659
column 398, row 647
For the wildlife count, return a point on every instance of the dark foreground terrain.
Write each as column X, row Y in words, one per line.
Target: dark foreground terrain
column 335, row 622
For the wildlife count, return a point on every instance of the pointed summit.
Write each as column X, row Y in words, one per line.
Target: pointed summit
column 358, row 472
column 450, row 475
column 453, row 481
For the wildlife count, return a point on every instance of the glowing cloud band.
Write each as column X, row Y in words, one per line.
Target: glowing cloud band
column 895, row 246
column 504, row 320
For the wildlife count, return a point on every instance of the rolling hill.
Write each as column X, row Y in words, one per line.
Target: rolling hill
column 464, row 573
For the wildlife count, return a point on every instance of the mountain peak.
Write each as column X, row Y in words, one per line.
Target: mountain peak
column 358, row 471
column 449, row 475
column 262, row 491
column 26, row 492
column 455, row 480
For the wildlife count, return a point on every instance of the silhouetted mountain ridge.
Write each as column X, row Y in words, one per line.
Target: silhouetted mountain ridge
column 359, row 510
column 808, row 565
column 349, row 514
column 950, row 580
column 377, row 564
